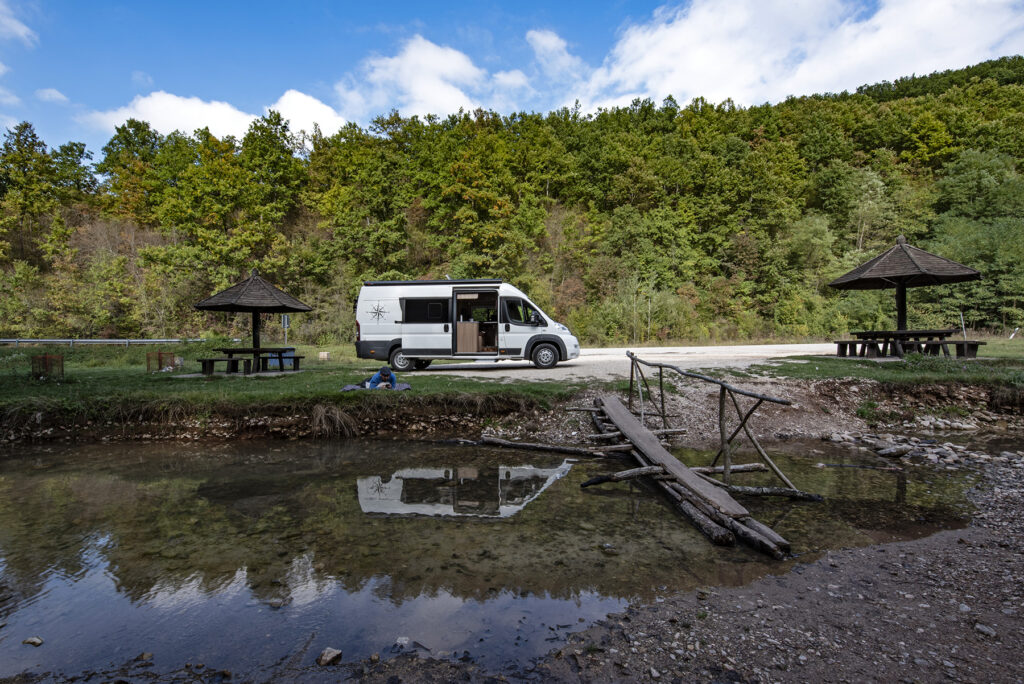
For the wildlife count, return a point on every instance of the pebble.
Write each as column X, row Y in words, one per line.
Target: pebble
column 33, row 641
column 914, row 450
column 328, row 656
column 985, row 629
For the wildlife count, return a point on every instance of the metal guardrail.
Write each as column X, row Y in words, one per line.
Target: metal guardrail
column 71, row 342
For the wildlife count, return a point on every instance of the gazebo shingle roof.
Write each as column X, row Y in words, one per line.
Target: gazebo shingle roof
column 904, row 264
column 254, row 294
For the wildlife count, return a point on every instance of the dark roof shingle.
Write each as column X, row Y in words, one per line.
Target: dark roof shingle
column 253, row 294
column 903, row 263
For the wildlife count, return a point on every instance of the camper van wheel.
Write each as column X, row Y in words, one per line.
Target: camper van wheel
column 545, row 356
column 399, row 361
column 421, row 364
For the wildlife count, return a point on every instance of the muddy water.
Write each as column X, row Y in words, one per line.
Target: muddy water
column 254, row 556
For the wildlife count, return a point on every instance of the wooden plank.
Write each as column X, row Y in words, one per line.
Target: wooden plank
column 648, row 444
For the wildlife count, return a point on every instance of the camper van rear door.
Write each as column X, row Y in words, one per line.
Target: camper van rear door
column 426, row 326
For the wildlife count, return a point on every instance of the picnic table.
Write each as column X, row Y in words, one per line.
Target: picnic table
column 259, row 362
column 880, row 343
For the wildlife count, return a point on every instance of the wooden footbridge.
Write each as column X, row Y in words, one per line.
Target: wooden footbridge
column 704, row 500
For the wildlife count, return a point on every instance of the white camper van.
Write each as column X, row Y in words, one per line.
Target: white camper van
column 410, row 323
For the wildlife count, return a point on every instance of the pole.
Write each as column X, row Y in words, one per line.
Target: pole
column 256, row 341
column 727, row 460
column 901, row 305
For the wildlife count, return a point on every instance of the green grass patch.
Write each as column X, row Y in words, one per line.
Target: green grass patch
column 914, row 369
column 111, row 382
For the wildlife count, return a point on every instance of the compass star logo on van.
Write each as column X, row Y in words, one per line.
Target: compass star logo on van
column 456, row 319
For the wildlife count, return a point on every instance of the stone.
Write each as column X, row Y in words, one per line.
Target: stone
column 985, row 629
column 33, row 641
column 654, row 673
column 328, row 656
column 964, row 608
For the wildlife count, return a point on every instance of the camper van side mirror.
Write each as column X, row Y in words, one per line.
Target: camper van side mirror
column 534, row 318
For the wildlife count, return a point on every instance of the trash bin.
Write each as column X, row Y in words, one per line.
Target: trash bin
column 288, row 358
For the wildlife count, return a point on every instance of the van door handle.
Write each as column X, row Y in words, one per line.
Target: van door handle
column 446, row 327
column 507, row 327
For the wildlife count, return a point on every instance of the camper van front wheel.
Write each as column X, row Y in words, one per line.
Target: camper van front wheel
column 399, row 361
column 545, row 356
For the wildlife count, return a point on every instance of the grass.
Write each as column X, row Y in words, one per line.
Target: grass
column 111, row 383
column 1001, row 369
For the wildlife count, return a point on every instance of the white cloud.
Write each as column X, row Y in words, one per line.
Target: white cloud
column 511, row 80
column 905, row 38
column 507, row 91
column 302, row 111
column 141, row 78
column 10, row 27
column 167, row 113
column 763, row 50
column 423, row 78
column 552, row 54
column 51, row 95
column 8, row 98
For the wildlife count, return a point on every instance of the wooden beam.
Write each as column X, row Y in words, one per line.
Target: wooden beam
column 647, row 444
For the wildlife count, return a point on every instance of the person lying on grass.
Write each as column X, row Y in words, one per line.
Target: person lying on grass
column 383, row 379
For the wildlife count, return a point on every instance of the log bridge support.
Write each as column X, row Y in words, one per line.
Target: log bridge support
column 704, row 500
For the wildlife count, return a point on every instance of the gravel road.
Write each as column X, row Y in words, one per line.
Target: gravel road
column 610, row 363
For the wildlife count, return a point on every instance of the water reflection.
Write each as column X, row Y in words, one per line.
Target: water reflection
column 244, row 555
column 468, row 490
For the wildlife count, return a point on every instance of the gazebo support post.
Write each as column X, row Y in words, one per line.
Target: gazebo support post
column 256, row 341
column 901, row 305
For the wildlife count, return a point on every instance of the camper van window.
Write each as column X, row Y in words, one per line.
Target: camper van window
column 519, row 311
column 426, row 310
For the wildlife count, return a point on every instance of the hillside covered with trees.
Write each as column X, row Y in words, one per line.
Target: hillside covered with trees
column 656, row 221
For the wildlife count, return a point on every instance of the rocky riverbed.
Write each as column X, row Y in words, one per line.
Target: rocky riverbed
column 944, row 607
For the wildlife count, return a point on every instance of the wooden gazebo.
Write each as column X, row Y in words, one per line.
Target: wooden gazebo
column 254, row 295
column 901, row 267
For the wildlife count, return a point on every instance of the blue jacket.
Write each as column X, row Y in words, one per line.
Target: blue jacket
column 375, row 380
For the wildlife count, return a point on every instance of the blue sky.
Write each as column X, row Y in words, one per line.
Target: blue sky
column 77, row 69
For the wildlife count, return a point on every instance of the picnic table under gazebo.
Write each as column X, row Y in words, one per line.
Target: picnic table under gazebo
column 901, row 267
column 256, row 296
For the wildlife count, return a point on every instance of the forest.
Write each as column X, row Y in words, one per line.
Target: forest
column 654, row 222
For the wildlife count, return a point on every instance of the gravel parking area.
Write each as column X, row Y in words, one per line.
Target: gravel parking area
column 611, row 363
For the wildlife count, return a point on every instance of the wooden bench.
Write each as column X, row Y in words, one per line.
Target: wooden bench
column 868, row 348
column 231, row 364
column 928, row 347
column 967, row 349
column 265, row 365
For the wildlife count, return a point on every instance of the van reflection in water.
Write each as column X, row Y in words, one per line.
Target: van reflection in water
column 494, row 492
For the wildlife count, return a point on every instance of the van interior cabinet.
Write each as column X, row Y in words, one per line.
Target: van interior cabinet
column 467, row 336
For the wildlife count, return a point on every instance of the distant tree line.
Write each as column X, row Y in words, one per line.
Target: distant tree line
column 641, row 223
